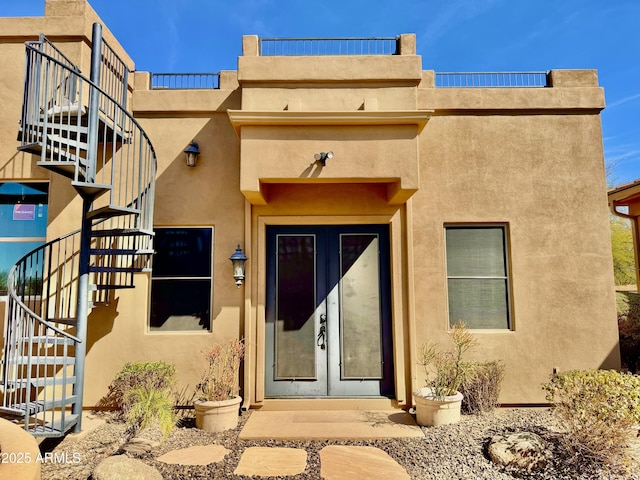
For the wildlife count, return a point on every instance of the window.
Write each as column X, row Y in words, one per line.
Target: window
column 181, row 279
column 23, row 223
column 477, row 276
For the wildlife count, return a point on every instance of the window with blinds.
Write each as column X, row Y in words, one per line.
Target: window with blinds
column 478, row 276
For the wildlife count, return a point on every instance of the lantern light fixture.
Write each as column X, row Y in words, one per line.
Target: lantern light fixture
column 191, row 154
column 238, row 260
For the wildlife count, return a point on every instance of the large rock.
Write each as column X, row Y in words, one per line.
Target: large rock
column 524, row 451
column 120, row 467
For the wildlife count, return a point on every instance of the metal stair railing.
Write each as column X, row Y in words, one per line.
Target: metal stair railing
column 81, row 130
column 55, row 123
column 38, row 359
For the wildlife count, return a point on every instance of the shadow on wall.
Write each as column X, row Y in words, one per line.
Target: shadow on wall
column 100, row 322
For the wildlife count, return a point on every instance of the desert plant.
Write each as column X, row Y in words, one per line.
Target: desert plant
column 146, row 375
column 598, row 410
column 221, row 377
column 3, row 282
column 628, row 310
column 150, row 407
column 445, row 370
column 481, row 386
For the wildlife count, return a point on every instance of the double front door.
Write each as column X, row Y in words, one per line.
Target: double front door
column 328, row 330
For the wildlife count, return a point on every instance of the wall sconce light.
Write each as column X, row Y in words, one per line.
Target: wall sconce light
column 191, row 153
column 322, row 157
column 238, row 260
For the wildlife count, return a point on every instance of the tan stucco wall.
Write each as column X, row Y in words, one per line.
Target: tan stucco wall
column 410, row 155
column 542, row 176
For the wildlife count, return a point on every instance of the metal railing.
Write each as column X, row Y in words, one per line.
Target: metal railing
column 329, row 46
column 184, row 81
column 125, row 160
column 39, row 367
column 491, row 79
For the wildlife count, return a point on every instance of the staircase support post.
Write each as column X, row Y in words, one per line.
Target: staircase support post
column 94, row 103
column 82, row 312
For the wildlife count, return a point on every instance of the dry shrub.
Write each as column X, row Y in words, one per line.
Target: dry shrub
column 481, row 387
column 137, row 375
column 599, row 410
column 221, row 378
column 444, row 369
column 628, row 306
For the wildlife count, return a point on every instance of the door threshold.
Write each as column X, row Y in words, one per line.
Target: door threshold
column 304, row 404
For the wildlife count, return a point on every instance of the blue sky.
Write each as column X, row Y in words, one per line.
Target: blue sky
column 172, row 36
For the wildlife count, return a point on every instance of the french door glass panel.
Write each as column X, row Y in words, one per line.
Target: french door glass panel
column 360, row 300
column 295, row 305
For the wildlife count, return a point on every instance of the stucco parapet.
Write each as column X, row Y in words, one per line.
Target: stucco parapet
column 428, row 79
column 184, row 101
column 407, row 44
column 66, row 8
column 228, row 80
column 141, row 80
column 21, row 29
column 512, row 99
column 250, row 45
column 573, row 78
column 364, row 68
column 60, row 24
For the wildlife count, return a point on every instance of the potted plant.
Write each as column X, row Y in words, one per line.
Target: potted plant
column 439, row 402
column 218, row 402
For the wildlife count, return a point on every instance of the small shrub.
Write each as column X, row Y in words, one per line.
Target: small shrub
column 445, row 370
column 628, row 309
column 598, row 409
column 149, row 407
column 481, row 387
column 145, row 375
column 221, row 378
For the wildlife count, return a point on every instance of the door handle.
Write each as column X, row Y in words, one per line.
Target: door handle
column 320, row 341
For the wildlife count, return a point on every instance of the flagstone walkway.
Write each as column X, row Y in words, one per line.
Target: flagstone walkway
column 337, row 462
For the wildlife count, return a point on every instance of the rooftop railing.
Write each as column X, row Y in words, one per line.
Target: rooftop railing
column 184, row 81
column 328, row 46
column 491, row 79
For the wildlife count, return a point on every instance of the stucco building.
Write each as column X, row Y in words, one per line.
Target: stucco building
column 378, row 202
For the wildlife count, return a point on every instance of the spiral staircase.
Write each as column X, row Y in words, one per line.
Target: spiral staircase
column 79, row 128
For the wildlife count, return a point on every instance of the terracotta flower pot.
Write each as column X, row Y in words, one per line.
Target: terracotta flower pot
column 432, row 411
column 217, row 416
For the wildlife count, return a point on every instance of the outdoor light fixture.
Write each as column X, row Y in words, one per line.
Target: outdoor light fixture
column 322, row 157
column 192, row 153
column 237, row 260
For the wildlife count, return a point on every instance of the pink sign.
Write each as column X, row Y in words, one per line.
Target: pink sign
column 24, row 212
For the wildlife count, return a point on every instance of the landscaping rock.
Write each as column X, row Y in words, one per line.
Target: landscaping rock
column 120, row 467
column 523, row 451
column 138, row 447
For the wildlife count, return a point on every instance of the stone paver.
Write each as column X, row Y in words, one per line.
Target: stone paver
column 330, row 424
column 272, row 461
column 197, row 455
column 345, row 462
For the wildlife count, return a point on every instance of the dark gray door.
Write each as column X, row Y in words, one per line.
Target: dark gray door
column 328, row 329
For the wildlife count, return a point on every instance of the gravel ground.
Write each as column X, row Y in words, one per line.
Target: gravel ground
column 448, row 452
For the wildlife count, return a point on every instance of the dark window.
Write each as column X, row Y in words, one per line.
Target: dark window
column 477, row 276
column 181, row 279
